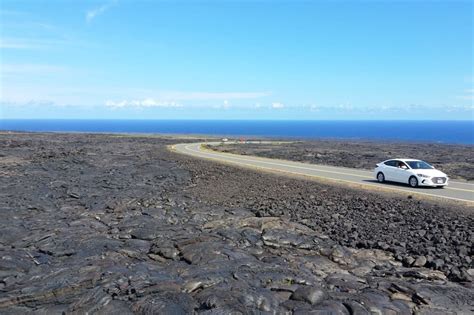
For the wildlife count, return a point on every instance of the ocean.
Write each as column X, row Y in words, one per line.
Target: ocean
column 455, row 132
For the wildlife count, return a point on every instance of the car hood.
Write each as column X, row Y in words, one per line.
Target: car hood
column 431, row 173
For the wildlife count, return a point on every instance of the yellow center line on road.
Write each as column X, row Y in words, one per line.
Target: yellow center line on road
column 216, row 157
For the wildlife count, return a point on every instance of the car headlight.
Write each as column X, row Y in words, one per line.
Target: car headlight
column 422, row 175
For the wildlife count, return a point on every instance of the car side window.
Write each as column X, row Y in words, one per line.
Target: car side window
column 391, row 163
column 400, row 164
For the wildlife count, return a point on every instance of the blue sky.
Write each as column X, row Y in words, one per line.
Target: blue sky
column 237, row 59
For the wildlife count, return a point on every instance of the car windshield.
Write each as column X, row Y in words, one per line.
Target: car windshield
column 416, row 165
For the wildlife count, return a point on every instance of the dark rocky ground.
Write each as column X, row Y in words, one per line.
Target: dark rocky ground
column 106, row 224
column 455, row 160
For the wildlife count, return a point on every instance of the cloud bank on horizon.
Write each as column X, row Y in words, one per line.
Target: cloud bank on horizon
column 224, row 60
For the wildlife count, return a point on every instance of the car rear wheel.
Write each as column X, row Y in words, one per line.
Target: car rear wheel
column 413, row 182
column 380, row 177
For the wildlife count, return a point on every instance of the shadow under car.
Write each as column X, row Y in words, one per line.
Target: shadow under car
column 397, row 184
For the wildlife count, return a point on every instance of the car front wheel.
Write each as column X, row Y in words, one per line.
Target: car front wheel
column 380, row 177
column 413, row 182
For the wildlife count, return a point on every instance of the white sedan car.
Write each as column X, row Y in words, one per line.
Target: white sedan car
column 412, row 172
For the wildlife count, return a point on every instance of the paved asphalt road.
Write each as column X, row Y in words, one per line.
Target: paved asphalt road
column 455, row 190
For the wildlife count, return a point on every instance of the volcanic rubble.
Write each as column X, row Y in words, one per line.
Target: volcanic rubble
column 120, row 224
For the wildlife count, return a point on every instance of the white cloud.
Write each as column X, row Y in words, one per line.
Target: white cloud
column 277, row 105
column 45, row 43
column 145, row 103
column 206, row 96
column 468, row 96
column 16, row 90
column 385, row 109
column 93, row 13
column 12, row 69
column 225, row 105
column 28, row 31
column 30, row 103
column 8, row 43
column 314, row 108
column 29, row 43
column 459, row 108
column 345, row 107
column 173, row 99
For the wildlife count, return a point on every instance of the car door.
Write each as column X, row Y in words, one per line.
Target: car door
column 401, row 175
column 389, row 170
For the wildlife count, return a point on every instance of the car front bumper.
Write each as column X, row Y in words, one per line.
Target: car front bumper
column 433, row 181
